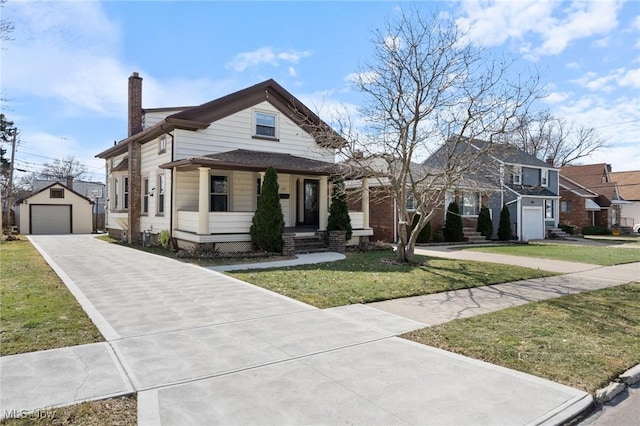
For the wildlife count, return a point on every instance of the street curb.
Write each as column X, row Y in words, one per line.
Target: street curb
column 628, row 378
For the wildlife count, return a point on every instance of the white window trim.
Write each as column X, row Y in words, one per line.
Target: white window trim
column 228, row 176
column 554, row 209
column 145, row 195
column 162, row 144
column 161, row 191
column 517, row 175
column 254, row 129
column 478, row 200
column 544, row 178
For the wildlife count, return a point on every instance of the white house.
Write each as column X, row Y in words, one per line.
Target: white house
column 56, row 209
column 196, row 172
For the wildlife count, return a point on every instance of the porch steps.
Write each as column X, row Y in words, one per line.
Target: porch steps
column 310, row 244
column 473, row 236
column 557, row 234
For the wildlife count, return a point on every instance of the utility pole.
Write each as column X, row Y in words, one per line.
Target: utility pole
column 10, row 185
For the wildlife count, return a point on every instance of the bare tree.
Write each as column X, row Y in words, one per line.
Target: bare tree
column 6, row 26
column 548, row 137
column 428, row 84
column 62, row 169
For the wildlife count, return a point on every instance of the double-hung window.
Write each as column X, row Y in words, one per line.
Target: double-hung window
column 516, row 175
column 565, row 206
column 266, row 125
column 125, row 193
column 219, row 196
column 160, row 192
column 145, row 196
column 544, row 177
column 162, row 144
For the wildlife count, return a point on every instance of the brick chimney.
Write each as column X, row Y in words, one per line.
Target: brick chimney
column 70, row 182
column 135, row 104
column 550, row 160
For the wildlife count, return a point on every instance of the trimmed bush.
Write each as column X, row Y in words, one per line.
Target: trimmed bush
column 569, row 229
column 339, row 219
column 267, row 223
column 485, row 225
column 504, row 228
column 596, row 230
column 425, row 234
column 453, row 231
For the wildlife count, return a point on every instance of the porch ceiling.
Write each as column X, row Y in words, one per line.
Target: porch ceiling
column 242, row 159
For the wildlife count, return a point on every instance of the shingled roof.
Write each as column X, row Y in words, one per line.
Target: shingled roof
column 628, row 184
column 242, row 159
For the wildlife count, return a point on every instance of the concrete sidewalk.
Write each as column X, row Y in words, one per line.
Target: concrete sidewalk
column 201, row 347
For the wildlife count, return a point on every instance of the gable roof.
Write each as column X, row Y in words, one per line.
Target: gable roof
column 242, row 159
column 201, row 116
column 628, row 184
column 58, row 184
column 588, row 175
column 509, row 154
column 575, row 187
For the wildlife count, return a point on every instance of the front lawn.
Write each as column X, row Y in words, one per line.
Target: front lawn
column 372, row 276
column 583, row 340
column 597, row 255
column 37, row 312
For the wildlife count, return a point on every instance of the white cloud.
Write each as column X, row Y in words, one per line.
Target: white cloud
column 64, row 50
column 292, row 72
column 265, row 55
column 553, row 24
column 617, row 78
column 365, row 77
column 556, row 97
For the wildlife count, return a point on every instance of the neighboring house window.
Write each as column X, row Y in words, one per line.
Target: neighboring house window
column 219, row 194
column 160, row 192
column 162, row 144
column 516, row 175
column 265, row 124
column 544, row 177
column 470, row 203
column 125, row 193
column 548, row 209
column 56, row 193
column 116, row 193
column 145, row 195
column 565, row 206
column 412, row 205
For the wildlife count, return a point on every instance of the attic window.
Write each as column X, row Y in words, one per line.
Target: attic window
column 516, row 175
column 56, row 193
column 265, row 125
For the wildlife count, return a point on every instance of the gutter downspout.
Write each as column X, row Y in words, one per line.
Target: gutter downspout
column 173, row 186
column 395, row 221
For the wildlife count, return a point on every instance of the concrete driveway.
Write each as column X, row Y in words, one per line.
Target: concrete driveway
column 203, row 348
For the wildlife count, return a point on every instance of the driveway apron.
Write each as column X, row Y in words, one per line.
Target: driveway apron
column 204, row 348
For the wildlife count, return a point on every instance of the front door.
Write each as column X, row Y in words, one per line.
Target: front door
column 311, row 212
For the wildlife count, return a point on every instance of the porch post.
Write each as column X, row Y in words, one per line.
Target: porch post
column 203, row 201
column 322, row 204
column 365, row 203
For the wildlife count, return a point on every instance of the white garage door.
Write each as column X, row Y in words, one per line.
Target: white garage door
column 532, row 224
column 50, row 219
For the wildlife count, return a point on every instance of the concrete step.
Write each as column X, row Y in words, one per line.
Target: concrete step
column 557, row 234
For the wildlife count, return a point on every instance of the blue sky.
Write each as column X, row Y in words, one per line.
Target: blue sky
column 65, row 71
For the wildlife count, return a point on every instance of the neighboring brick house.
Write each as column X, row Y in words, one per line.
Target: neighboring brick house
column 629, row 188
column 596, row 179
column 196, row 172
column 578, row 206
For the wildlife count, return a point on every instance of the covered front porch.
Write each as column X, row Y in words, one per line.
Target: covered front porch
column 215, row 198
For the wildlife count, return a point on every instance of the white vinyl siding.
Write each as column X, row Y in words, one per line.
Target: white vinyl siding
column 236, row 132
column 243, row 191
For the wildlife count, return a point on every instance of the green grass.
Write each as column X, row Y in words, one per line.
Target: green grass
column 372, row 276
column 37, row 312
column 583, row 340
column 597, row 255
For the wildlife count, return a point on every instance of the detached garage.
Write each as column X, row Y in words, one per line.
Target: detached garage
column 56, row 209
